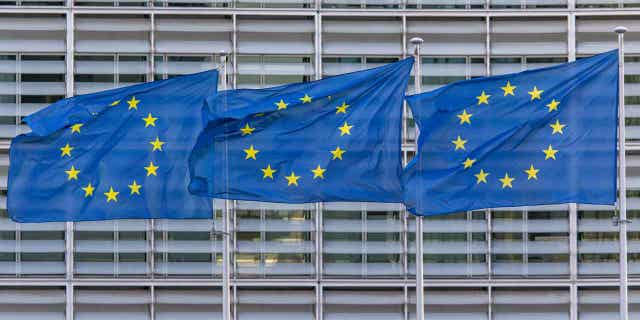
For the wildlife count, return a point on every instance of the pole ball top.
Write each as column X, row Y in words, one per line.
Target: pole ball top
column 620, row 29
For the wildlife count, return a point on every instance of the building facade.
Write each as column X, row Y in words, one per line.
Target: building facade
column 317, row 261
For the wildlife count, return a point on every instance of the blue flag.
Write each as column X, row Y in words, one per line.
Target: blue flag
column 336, row 139
column 544, row 136
column 115, row 154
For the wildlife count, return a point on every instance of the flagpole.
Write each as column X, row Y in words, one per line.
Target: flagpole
column 417, row 42
column 226, row 249
column 622, row 180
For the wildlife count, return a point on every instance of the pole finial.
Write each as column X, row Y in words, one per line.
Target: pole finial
column 416, row 41
column 620, row 29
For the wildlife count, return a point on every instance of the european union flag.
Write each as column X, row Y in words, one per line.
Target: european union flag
column 336, row 139
column 115, row 154
column 544, row 136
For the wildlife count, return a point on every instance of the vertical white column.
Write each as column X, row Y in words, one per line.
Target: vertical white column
column 69, row 295
column 571, row 37
column 318, row 206
column 226, row 252
column 573, row 208
column 622, row 180
column 68, row 256
column 152, row 302
column 151, row 77
column 234, row 51
column 487, row 54
column 317, row 39
column 417, row 42
column 318, row 258
column 152, row 46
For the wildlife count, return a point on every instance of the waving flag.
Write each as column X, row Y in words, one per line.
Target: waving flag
column 537, row 137
column 114, row 154
column 336, row 139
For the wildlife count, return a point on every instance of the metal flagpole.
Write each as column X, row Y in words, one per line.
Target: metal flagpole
column 622, row 180
column 226, row 251
column 417, row 42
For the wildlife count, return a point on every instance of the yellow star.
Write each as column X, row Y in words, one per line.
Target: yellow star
column 465, row 117
column 76, row 127
column 468, row 163
column 506, row 181
column 251, row 153
column 152, row 169
column 483, row 98
column 292, row 179
column 535, row 93
column 481, row 176
column 149, row 121
column 135, row 188
column 115, row 103
column 133, row 103
column 557, row 127
column 88, row 190
column 318, row 172
column 337, row 153
column 282, row 105
column 112, row 195
column 459, row 143
column 157, row 144
column 508, row 89
column 553, row 105
column 345, row 129
column 550, row 153
column 532, row 172
column 66, row 150
column 305, row 99
column 72, row 173
column 268, row 172
column 342, row 108
column 246, row 130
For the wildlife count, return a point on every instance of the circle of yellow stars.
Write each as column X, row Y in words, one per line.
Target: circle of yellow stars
column 465, row 118
column 134, row 188
column 292, row 179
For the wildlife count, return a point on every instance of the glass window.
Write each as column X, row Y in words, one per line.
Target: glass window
column 384, row 243
column 32, row 302
column 537, row 303
column 112, row 3
column 547, row 242
column 343, row 247
column 112, row 302
column 270, row 70
column 189, row 248
column 522, row 4
column 508, row 242
column 275, row 242
column 188, row 302
column 597, row 243
column 435, row 4
column 363, row 303
column 103, row 72
column 454, row 245
column 111, row 248
column 275, row 4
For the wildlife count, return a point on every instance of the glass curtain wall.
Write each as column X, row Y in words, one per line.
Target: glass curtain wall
column 311, row 261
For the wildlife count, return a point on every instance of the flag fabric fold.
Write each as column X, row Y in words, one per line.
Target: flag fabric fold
column 545, row 136
column 336, row 139
column 116, row 154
